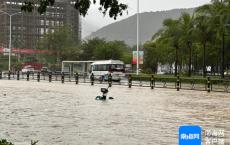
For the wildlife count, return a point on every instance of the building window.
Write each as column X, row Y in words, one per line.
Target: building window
column 42, row 31
column 47, row 23
column 42, row 22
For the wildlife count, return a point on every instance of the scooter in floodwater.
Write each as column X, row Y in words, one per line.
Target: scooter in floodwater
column 104, row 94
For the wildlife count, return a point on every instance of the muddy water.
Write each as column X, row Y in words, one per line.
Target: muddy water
column 66, row 114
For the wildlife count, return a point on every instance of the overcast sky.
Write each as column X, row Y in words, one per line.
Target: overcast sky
column 95, row 20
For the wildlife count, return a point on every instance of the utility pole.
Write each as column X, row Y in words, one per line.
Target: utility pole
column 10, row 42
column 138, row 10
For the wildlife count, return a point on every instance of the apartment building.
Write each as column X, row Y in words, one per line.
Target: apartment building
column 28, row 28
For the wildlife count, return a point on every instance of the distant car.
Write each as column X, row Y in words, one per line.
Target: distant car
column 45, row 70
column 28, row 68
column 57, row 72
column 227, row 72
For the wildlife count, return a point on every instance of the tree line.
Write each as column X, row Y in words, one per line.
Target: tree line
column 63, row 47
column 193, row 42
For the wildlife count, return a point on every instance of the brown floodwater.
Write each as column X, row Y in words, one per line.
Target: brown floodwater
column 68, row 114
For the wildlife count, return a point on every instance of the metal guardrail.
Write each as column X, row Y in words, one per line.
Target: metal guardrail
column 216, row 85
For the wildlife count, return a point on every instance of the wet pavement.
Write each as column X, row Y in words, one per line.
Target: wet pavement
column 68, row 114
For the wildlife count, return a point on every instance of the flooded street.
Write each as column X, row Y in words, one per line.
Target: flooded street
column 68, row 114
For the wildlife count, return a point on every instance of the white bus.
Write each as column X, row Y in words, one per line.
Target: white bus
column 101, row 69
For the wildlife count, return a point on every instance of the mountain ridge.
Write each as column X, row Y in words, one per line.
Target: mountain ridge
column 150, row 23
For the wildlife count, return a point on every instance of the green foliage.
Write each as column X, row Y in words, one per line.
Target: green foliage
column 183, row 80
column 113, row 7
column 99, row 49
column 5, row 142
column 64, row 48
column 89, row 46
column 144, row 77
column 109, row 50
column 34, row 142
column 151, row 57
column 193, row 80
column 3, row 62
column 71, row 53
column 59, row 39
column 192, row 40
column 61, row 44
column 18, row 66
column 127, row 57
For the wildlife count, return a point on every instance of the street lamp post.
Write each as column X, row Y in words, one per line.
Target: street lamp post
column 222, row 57
column 138, row 10
column 10, row 15
column 10, row 42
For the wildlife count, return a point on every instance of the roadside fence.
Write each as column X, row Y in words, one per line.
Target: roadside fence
column 208, row 84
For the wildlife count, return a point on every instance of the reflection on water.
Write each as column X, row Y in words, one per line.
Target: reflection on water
column 67, row 114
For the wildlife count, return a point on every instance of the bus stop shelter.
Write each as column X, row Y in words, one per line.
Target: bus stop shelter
column 82, row 67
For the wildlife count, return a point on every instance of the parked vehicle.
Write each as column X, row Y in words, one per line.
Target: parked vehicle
column 102, row 69
column 27, row 69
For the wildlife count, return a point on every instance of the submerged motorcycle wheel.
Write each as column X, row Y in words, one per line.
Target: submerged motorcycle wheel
column 98, row 98
column 101, row 98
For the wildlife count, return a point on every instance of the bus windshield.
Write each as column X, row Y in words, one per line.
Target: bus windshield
column 108, row 67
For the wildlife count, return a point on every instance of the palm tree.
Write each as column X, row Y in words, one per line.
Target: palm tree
column 161, row 49
column 218, row 13
column 172, row 31
column 186, row 22
column 204, row 34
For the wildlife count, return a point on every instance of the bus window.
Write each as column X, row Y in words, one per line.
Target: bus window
column 117, row 67
column 100, row 67
column 95, row 68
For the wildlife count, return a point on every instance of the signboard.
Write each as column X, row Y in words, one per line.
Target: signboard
column 190, row 135
column 140, row 56
column 24, row 51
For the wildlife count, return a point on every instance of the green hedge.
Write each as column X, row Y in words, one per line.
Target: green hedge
column 194, row 80
column 220, row 82
column 172, row 79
